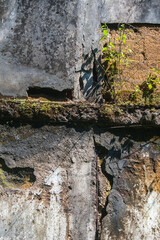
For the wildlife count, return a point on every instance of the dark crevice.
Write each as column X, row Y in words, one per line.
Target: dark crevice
column 107, row 175
column 154, row 165
column 104, row 212
column 101, row 152
column 97, row 233
column 104, row 209
column 81, row 84
column 135, row 26
column 110, row 179
column 16, row 177
column 95, row 74
column 50, row 94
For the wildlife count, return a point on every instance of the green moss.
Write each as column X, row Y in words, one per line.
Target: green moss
column 42, row 112
column 108, row 109
column 3, row 181
column 111, row 110
column 30, row 108
column 128, row 97
column 25, row 109
column 46, row 108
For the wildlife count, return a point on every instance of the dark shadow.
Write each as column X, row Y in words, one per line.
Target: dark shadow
column 114, row 154
column 16, row 176
column 134, row 26
column 91, row 76
column 127, row 145
column 50, row 94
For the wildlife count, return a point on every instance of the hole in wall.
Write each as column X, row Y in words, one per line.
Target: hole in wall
column 100, row 150
column 16, row 177
column 95, row 75
column 81, row 84
column 50, row 94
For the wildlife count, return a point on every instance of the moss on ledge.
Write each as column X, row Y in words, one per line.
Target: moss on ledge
column 132, row 97
column 45, row 113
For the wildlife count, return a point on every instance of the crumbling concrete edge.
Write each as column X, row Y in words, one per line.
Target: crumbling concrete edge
column 51, row 113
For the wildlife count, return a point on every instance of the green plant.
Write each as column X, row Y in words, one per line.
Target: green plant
column 114, row 58
column 149, row 86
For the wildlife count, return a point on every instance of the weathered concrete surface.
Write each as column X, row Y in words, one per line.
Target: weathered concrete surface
column 130, row 161
column 79, row 183
column 43, row 43
column 61, row 201
column 37, row 45
column 130, row 11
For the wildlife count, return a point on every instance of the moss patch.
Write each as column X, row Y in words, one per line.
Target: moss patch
column 16, row 177
column 127, row 97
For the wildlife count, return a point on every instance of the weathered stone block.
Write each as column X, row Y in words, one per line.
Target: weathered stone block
column 37, row 45
column 43, row 44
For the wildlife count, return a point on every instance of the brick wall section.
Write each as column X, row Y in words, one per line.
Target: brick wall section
column 144, row 41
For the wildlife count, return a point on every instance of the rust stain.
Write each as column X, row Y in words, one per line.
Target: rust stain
column 145, row 172
column 44, row 196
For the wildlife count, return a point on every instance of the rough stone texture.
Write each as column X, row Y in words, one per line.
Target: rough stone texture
column 79, row 183
column 61, row 202
column 94, row 177
column 131, row 163
column 37, row 45
column 42, row 113
column 92, row 172
column 131, row 11
column 43, row 43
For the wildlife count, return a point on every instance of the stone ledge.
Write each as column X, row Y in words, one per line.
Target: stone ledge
column 51, row 113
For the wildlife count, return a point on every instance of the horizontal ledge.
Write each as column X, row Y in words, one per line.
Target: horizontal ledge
column 50, row 113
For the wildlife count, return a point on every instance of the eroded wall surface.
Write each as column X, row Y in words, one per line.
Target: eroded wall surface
column 130, row 160
column 48, row 184
column 37, row 45
column 43, row 44
column 79, row 183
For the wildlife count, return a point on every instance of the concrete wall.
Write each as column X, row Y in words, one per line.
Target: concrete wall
column 66, row 183
column 130, row 11
column 58, row 199
column 43, row 43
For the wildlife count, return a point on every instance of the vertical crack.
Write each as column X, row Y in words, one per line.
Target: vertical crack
column 110, row 179
column 104, row 183
column 97, row 201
